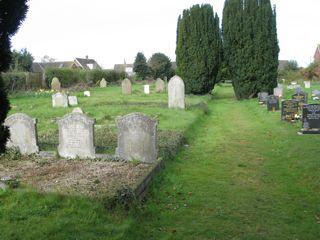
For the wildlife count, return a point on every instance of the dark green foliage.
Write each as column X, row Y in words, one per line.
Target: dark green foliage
column 140, row 66
column 199, row 48
column 12, row 13
column 160, row 66
column 250, row 45
column 21, row 60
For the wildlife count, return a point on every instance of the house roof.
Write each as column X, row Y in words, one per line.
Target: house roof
column 122, row 67
column 87, row 63
column 317, row 53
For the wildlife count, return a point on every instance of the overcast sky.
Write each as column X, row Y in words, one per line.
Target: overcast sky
column 114, row 31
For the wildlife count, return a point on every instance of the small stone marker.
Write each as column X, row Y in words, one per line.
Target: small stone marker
column 22, row 133
column 73, row 100
column 272, row 103
column 126, row 86
column 86, row 93
column 311, row 119
column 146, row 89
column 278, row 91
column 77, row 110
column 55, row 84
column 289, row 110
column 160, row 85
column 59, row 100
column 262, row 97
column 137, row 138
column 76, row 136
column 176, row 93
column 301, row 97
column 103, row 83
column 298, row 90
column 307, row 84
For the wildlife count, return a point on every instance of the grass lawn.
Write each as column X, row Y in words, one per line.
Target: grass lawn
column 243, row 175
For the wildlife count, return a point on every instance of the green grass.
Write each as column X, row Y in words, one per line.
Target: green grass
column 244, row 175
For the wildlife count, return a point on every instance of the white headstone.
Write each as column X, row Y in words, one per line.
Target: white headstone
column 76, row 137
column 278, row 91
column 137, row 137
column 103, row 83
column 23, row 133
column 307, row 84
column 86, row 93
column 73, row 100
column 176, row 93
column 146, row 89
column 59, row 100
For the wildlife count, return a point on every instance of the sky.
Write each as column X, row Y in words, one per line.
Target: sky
column 112, row 32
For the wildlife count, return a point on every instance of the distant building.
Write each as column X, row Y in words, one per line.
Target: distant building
column 316, row 56
column 126, row 67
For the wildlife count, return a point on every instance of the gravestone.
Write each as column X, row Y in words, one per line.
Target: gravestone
column 76, row 136
column 126, row 86
column 289, row 110
column 301, row 97
column 278, row 91
column 59, row 100
column 103, row 83
column 55, row 84
column 262, row 97
column 176, row 93
column 146, row 89
column 73, row 100
column 86, row 93
column 315, row 93
column 77, row 110
column 160, row 85
column 311, row 119
column 298, row 90
column 307, row 84
column 137, row 138
column 23, row 133
column 272, row 103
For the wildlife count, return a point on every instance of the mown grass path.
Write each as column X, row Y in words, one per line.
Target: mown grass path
column 244, row 175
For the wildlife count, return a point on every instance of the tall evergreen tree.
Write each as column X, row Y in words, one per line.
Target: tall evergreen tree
column 199, row 48
column 250, row 45
column 12, row 13
column 160, row 66
column 140, row 66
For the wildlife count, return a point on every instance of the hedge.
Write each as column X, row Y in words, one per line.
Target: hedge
column 17, row 81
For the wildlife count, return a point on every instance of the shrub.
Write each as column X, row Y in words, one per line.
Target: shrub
column 14, row 81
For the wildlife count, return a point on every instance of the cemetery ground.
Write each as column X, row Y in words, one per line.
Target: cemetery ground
column 243, row 174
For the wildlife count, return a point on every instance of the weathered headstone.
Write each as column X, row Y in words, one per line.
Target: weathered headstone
column 176, row 93
column 76, row 136
column 77, row 110
column 278, row 91
column 307, row 84
column 59, row 100
column 262, row 97
column 160, row 85
column 137, row 138
column 311, row 118
column 126, row 86
column 73, row 100
column 298, row 90
column 301, row 97
column 103, row 83
column 146, row 89
column 272, row 103
column 289, row 110
column 23, row 133
column 316, row 94
column 86, row 93
column 55, row 84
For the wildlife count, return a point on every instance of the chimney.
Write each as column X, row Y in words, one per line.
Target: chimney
column 87, row 57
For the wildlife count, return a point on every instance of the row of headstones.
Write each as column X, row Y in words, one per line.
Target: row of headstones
column 126, row 86
column 290, row 109
column 137, row 136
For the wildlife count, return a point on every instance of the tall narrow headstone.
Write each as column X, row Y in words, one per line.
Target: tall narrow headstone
column 126, row 86
column 23, row 133
column 176, row 93
column 103, row 83
column 160, row 85
column 137, row 138
column 76, row 136
column 307, row 84
column 59, row 100
column 55, row 84
column 146, row 89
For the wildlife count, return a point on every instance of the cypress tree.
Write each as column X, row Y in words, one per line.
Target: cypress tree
column 140, row 66
column 198, row 48
column 12, row 14
column 250, row 45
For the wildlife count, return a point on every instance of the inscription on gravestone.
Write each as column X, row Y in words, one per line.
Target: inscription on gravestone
column 176, row 93
column 311, row 118
column 301, row 97
column 59, row 100
column 272, row 103
column 76, row 136
column 23, row 133
column 289, row 109
column 262, row 97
